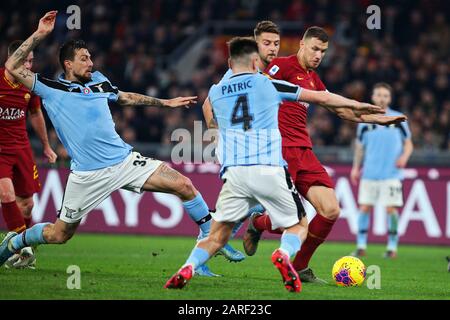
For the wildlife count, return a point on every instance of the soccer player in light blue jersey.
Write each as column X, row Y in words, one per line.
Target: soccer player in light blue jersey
column 253, row 169
column 385, row 150
column 102, row 162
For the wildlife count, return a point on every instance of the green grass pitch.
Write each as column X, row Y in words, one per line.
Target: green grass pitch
column 137, row 267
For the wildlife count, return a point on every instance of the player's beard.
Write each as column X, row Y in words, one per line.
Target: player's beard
column 266, row 61
column 82, row 78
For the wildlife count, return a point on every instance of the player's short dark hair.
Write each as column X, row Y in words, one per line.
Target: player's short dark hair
column 266, row 26
column 13, row 46
column 239, row 47
column 383, row 85
column 68, row 49
column 316, row 32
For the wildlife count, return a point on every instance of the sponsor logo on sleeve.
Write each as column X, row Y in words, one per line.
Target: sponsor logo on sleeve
column 274, row 70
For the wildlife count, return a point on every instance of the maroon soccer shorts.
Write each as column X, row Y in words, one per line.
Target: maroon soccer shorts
column 305, row 169
column 19, row 166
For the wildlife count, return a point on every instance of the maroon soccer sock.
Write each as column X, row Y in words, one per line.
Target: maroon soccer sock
column 263, row 223
column 28, row 221
column 13, row 217
column 318, row 230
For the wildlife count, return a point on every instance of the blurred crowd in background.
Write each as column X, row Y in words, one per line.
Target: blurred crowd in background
column 131, row 40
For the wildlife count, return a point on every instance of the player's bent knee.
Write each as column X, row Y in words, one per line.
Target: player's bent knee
column 331, row 212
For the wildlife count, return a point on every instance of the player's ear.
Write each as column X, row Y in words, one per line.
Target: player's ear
column 68, row 65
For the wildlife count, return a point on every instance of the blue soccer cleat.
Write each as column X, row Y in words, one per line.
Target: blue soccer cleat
column 204, row 271
column 5, row 250
column 231, row 254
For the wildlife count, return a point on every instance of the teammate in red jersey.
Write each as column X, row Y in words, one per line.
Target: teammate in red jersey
column 310, row 178
column 18, row 173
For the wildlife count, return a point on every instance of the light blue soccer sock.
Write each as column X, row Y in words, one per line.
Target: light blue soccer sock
column 197, row 257
column 363, row 229
column 30, row 237
column 237, row 227
column 199, row 212
column 392, row 231
column 290, row 243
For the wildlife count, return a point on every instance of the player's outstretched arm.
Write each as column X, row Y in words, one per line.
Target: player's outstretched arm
column 209, row 115
column 136, row 99
column 15, row 62
column 352, row 115
column 332, row 100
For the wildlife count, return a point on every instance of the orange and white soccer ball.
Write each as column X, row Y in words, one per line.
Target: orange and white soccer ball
column 349, row 272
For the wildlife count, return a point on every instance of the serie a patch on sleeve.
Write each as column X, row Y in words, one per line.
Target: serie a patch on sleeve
column 274, row 70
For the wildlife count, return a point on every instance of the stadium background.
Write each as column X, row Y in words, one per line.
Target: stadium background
column 169, row 48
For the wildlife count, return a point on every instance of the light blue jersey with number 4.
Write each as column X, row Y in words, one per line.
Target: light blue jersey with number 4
column 246, row 109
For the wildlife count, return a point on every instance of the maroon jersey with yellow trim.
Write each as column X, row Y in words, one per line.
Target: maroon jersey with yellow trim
column 15, row 101
column 292, row 115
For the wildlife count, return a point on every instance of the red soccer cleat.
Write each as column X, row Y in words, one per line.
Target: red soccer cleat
column 290, row 277
column 180, row 279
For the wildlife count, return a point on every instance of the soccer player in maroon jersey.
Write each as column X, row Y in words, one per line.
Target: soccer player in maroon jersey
column 310, row 178
column 18, row 173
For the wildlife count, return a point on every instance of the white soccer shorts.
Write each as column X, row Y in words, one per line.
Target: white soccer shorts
column 388, row 193
column 270, row 186
column 86, row 189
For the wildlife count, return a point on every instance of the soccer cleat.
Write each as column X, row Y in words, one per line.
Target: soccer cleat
column 390, row 254
column 27, row 259
column 307, row 275
column 359, row 253
column 180, row 279
column 448, row 260
column 290, row 277
column 6, row 251
column 251, row 236
column 204, row 271
column 9, row 264
column 231, row 254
